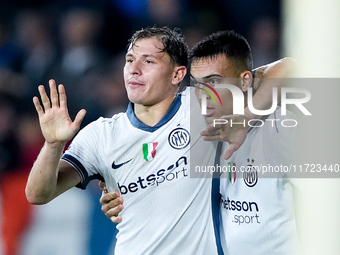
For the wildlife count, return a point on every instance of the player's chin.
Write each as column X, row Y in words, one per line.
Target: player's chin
column 135, row 98
column 209, row 119
column 212, row 117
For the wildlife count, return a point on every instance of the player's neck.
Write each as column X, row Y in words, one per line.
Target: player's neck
column 151, row 115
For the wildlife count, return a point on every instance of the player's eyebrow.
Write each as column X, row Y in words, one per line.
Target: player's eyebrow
column 149, row 55
column 144, row 55
column 208, row 76
column 214, row 75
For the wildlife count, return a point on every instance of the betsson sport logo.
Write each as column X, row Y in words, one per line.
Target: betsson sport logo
column 238, row 104
column 168, row 174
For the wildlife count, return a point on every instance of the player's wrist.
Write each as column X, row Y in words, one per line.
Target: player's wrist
column 55, row 145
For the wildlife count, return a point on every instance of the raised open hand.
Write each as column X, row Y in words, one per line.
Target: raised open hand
column 55, row 122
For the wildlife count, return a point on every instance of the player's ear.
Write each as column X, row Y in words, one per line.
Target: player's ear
column 179, row 74
column 246, row 80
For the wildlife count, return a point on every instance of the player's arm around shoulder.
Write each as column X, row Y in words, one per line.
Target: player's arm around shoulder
column 282, row 68
column 112, row 203
column 266, row 78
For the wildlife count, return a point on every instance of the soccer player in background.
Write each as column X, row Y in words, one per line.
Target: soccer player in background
column 225, row 57
column 257, row 214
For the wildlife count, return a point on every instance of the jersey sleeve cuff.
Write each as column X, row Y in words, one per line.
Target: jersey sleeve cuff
column 85, row 178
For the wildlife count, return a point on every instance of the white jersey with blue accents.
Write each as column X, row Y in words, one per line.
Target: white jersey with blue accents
column 165, row 211
column 257, row 214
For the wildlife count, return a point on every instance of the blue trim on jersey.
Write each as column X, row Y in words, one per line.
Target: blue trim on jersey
column 81, row 170
column 215, row 200
column 277, row 130
column 215, row 207
column 174, row 107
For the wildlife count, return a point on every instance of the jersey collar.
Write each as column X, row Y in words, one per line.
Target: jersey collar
column 170, row 113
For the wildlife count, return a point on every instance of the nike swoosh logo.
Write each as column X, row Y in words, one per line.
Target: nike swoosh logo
column 114, row 166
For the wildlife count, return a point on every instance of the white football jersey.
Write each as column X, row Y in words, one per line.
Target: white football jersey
column 165, row 211
column 257, row 214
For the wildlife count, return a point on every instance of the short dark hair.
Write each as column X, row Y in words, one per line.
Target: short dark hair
column 172, row 39
column 227, row 42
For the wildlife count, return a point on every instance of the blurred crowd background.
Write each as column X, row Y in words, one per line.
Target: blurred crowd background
column 82, row 45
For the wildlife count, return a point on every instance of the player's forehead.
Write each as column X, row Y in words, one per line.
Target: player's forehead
column 209, row 66
column 146, row 46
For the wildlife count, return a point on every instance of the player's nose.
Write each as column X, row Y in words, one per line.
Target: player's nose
column 135, row 68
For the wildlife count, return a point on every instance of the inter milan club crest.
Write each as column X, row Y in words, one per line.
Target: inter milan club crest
column 250, row 175
column 149, row 151
column 179, row 138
